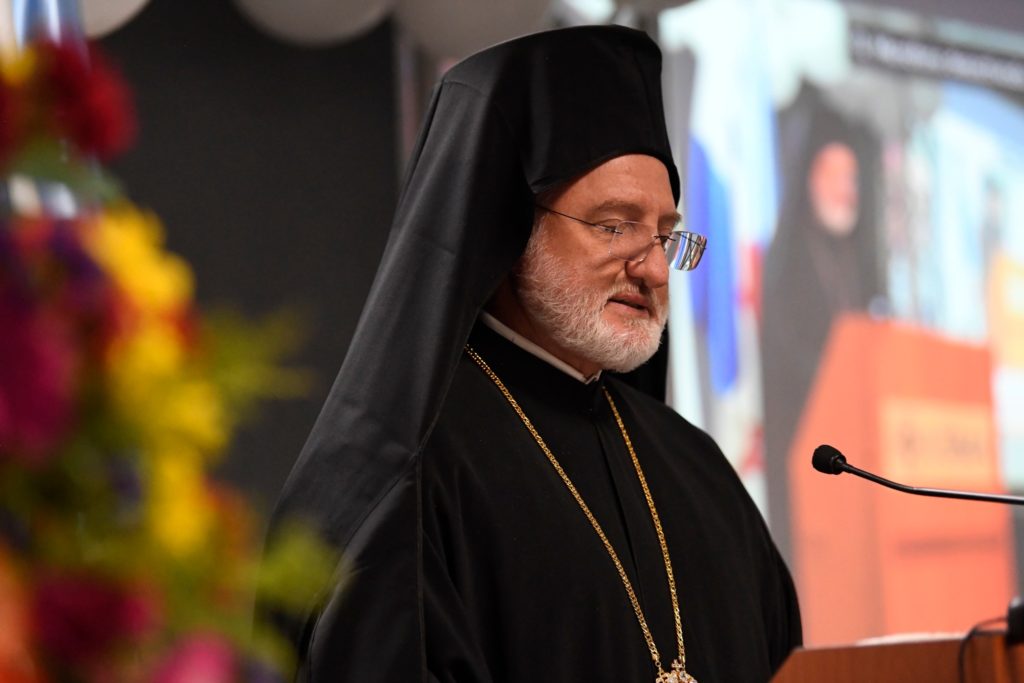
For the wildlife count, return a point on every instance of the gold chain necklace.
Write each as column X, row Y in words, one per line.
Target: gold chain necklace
column 678, row 673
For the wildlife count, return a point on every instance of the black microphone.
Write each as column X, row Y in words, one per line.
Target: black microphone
column 829, row 460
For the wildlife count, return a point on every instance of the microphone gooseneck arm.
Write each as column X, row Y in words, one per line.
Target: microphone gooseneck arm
column 829, row 460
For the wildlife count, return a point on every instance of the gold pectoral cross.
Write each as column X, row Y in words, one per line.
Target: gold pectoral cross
column 676, row 675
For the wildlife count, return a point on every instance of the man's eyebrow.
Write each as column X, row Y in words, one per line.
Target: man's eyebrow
column 632, row 208
column 619, row 205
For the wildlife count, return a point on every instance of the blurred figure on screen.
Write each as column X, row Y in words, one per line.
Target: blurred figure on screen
column 822, row 262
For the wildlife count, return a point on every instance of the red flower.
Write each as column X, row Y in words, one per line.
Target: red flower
column 16, row 661
column 8, row 123
column 93, row 106
column 79, row 619
column 38, row 378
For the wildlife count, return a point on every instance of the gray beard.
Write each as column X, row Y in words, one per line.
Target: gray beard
column 549, row 290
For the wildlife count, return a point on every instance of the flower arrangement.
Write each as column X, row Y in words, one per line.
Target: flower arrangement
column 120, row 558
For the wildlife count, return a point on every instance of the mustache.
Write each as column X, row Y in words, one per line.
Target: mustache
column 632, row 289
column 650, row 301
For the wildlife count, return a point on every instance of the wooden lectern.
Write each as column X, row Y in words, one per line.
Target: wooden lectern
column 987, row 659
column 916, row 408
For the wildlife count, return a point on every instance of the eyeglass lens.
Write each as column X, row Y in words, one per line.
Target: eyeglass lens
column 685, row 252
column 632, row 243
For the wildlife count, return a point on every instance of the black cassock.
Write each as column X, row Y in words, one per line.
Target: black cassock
column 517, row 586
column 467, row 559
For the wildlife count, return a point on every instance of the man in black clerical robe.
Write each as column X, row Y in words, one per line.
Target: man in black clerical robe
column 508, row 511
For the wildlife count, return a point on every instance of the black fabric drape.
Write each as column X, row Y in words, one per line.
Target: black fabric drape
column 503, row 125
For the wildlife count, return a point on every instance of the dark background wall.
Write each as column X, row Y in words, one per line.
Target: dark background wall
column 274, row 170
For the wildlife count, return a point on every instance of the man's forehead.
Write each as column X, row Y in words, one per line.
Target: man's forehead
column 629, row 182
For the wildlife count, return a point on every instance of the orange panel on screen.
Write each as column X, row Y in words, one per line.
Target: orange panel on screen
column 917, row 408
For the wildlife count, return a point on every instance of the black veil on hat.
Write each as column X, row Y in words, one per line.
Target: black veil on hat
column 502, row 126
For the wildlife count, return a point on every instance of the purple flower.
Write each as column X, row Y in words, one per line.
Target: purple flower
column 259, row 671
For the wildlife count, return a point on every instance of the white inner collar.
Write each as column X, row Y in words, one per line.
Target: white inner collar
column 532, row 348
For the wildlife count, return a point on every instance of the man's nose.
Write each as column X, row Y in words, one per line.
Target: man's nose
column 652, row 270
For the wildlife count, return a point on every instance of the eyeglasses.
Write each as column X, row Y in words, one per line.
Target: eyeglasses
column 632, row 241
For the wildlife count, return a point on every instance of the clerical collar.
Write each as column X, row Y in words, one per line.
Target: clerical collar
column 528, row 346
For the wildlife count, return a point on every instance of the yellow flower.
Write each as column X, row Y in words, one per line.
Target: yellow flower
column 144, row 364
column 194, row 411
column 153, row 351
column 16, row 65
column 180, row 510
column 128, row 243
column 155, row 389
